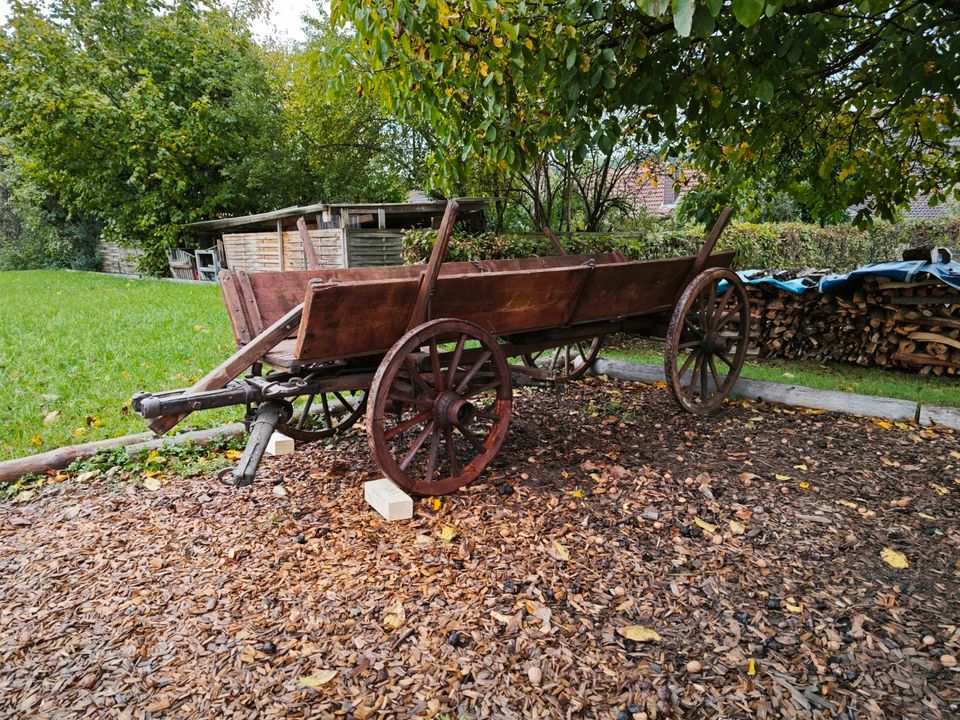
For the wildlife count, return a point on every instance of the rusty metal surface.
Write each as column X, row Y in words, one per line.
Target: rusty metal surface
column 435, row 421
column 708, row 335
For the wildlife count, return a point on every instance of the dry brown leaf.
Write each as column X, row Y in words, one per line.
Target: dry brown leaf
column 638, row 633
column 318, row 678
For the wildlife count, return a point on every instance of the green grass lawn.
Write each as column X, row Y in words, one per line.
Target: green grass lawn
column 81, row 344
column 833, row 376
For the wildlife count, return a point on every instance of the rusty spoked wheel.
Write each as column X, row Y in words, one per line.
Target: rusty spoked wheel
column 324, row 415
column 567, row 362
column 439, row 406
column 707, row 340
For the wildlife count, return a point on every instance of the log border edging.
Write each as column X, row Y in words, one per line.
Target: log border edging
column 799, row 395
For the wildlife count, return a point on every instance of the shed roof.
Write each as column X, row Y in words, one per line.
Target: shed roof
column 430, row 208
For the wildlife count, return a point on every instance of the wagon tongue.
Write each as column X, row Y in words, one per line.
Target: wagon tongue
column 269, row 415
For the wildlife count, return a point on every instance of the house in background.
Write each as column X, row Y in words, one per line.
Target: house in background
column 655, row 187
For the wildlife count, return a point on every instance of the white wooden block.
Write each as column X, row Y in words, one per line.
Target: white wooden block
column 280, row 444
column 388, row 499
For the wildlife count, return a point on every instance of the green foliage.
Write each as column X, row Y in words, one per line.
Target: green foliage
column 835, row 101
column 776, row 246
column 139, row 113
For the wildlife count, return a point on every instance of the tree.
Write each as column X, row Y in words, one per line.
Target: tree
column 143, row 114
column 846, row 101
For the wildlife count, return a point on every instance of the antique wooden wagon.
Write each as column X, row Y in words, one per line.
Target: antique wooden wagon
column 423, row 349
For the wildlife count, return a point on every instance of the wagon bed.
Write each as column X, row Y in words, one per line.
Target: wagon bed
column 429, row 344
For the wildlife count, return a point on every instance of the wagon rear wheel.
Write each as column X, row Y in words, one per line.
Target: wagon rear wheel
column 439, row 406
column 569, row 361
column 707, row 340
column 324, row 415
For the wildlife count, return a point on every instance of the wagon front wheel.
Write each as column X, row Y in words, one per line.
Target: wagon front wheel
column 439, row 406
column 707, row 340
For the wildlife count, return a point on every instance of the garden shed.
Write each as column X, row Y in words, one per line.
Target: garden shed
column 342, row 235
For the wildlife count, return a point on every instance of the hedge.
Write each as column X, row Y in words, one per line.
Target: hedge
column 779, row 246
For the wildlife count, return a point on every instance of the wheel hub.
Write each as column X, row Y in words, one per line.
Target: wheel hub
column 451, row 409
column 714, row 344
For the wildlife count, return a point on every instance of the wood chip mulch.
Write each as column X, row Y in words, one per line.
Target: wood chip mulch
column 621, row 559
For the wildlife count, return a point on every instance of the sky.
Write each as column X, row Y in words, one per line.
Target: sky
column 283, row 23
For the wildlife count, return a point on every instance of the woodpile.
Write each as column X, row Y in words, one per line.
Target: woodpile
column 879, row 322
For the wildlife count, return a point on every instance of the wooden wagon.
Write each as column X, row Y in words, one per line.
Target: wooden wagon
column 423, row 350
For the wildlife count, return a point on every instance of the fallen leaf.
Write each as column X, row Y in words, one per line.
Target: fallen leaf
column 783, row 478
column 804, row 486
column 448, row 533
column 395, row 617
column 800, row 467
column 894, row 558
column 37, row 440
column 560, row 552
column 435, row 503
column 151, row 483
column 638, row 633
column 884, row 424
column 319, row 678
column 705, row 526
column 752, row 667
column 847, row 504
column 51, row 417
column 233, row 454
column 794, row 608
column 745, row 476
column 280, row 491
column 737, row 528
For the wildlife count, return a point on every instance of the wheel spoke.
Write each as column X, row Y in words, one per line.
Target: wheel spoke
column 492, row 385
column 723, row 357
column 683, row 368
column 553, row 361
column 347, row 407
column 411, row 368
column 326, row 410
column 406, row 425
column 723, row 303
column 435, row 363
column 727, row 317
column 713, row 371
column 451, row 451
column 703, row 380
column 455, row 362
column 305, row 413
column 473, row 439
column 486, row 414
column 417, row 444
column 484, row 356
column 433, row 454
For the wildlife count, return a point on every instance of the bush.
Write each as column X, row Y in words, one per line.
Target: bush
column 778, row 246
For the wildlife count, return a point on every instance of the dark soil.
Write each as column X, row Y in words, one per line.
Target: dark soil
column 749, row 542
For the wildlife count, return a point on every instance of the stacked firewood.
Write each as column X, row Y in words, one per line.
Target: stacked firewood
column 875, row 322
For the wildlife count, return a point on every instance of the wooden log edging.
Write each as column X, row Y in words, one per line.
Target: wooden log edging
column 781, row 393
column 60, row 458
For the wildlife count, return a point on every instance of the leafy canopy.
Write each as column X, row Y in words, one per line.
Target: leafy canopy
column 839, row 102
column 140, row 113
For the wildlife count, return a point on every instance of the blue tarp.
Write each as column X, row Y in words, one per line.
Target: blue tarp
column 901, row 270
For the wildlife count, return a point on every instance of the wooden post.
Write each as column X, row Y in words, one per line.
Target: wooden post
column 381, row 219
column 709, row 244
column 429, row 276
column 309, row 253
column 557, row 245
column 280, row 244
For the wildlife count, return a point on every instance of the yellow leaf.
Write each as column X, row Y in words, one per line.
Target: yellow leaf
column 926, row 517
column 804, row 486
column 435, row 503
column 395, row 617
column 894, row 558
column 800, row 467
column 847, row 504
column 783, row 478
column 560, row 551
column 233, row 454
column 704, row 525
column 320, row 677
column 79, row 432
column 794, row 608
column 939, row 489
column 884, row 424
column 638, row 633
column 482, row 67
column 752, row 667
column 578, row 493
column 902, row 426
column 448, row 533
column 737, row 528
column 151, row 483
column 37, row 440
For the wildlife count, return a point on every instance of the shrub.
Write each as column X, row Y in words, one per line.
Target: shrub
column 777, row 246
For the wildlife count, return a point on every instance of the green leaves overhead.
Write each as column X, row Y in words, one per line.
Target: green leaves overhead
column 784, row 90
